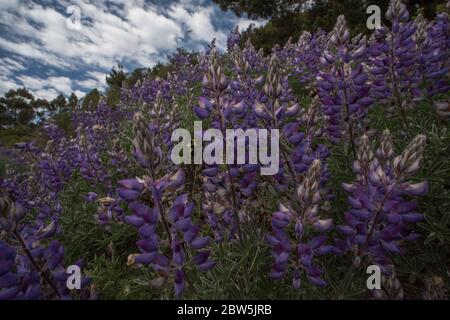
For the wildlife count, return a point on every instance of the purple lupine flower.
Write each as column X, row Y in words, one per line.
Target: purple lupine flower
column 381, row 218
column 155, row 205
column 29, row 267
column 342, row 85
column 9, row 282
column 298, row 254
column 391, row 288
column 233, row 39
column 307, row 53
column 393, row 62
column 432, row 41
column 216, row 103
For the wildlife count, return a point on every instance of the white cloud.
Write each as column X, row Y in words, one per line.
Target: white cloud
column 6, row 85
column 199, row 22
column 5, row 4
column 88, row 83
column 47, row 94
column 245, row 23
column 46, row 88
column 8, row 67
column 79, row 94
column 11, row 64
column 138, row 33
column 95, row 80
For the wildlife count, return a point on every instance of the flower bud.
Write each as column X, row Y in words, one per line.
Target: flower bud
column 386, row 150
column 397, row 11
column 408, row 162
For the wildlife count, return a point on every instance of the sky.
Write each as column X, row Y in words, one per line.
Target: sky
column 45, row 48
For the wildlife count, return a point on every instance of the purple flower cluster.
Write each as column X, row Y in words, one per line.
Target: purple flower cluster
column 382, row 214
column 153, row 203
column 298, row 254
column 220, row 106
column 342, row 84
column 393, row 61
column 233, row 39
column 307, row 53
column 30, row 266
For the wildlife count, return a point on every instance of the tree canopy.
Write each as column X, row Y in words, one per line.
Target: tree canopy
column 17, row 107
column 262, row 8
column 281, row 8
column 91, row 100
column 290, row 18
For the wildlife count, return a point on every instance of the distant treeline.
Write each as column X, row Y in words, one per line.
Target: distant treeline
column 289, row 18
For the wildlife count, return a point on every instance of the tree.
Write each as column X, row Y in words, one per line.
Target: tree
column 138, row 74
column 5, row 116
column 17, row 107
column 114, row 81
column 286, row 22
column 42, row 110
column 116, row 76
column 262, row 8
column 91, row 100
column 58, row 104
column 73, row 102
column 280, row 8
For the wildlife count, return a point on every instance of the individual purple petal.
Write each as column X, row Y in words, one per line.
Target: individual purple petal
column 148, row 245
column 204, row 103
column 199, row 243
column 418, row 189
column 177, row 180
column 391, row 246
column 282, row 258
column 145, row 258
column 128, row 195
column 47, row 232
column 412, row 217
column 324, row 225
column 201, row 112
column 208, row 265
column 91, row 197
column 317, row 282
column 345, row 230
column 276, row 275
column 9, row 293
column 134, row 221
column 131, row 184
column 201, row 257
column 183, row 224
column 140, row 209
column 147, row 230
column 33, row 292
column 179, row 282
column 296, row 281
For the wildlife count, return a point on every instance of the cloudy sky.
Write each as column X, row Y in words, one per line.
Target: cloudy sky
column 41, row 50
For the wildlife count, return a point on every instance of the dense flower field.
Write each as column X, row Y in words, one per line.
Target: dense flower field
column 363, row 178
